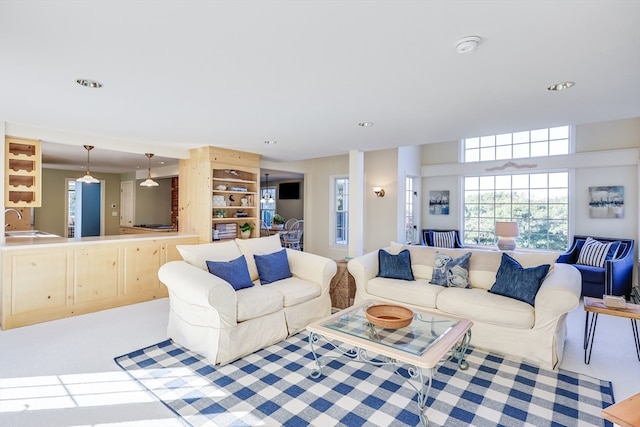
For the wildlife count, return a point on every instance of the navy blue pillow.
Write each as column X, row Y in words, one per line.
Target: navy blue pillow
column 273, row 267
column 395, row 266
column 235, row 272
column 519, row 283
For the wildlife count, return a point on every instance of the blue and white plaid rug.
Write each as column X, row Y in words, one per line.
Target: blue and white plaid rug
column 272, row 387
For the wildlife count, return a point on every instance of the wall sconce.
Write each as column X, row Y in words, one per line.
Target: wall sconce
column 506, row 232
column 379, row 191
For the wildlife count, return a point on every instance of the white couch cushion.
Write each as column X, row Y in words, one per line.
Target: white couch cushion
column 482, row 306
column 295, row 291
column 258, row 301
column 198, row 255
column 418, row 292
column 259, row 246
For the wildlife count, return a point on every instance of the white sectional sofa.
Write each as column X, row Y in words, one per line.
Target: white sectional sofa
column 208, row 316
column 501, row 324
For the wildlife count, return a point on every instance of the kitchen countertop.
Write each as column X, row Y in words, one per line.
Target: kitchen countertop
column 26, row 242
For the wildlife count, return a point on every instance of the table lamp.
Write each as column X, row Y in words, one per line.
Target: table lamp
column 506, row 231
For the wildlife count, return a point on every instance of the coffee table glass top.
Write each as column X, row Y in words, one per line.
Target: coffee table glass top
column 416, row 338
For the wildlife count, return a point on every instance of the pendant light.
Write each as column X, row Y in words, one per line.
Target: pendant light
column 149, row 182
column 266, row 191
column 88, row 179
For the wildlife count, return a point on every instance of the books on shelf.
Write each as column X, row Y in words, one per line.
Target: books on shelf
column 227, row 230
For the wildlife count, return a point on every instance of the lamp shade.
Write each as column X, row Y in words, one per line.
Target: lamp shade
column 507, row 229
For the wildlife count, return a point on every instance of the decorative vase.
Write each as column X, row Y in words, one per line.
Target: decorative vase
column 245, row 234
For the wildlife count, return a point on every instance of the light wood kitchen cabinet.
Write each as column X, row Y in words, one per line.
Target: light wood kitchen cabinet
column 22, row 173
column 213, row 183
column 43, row 282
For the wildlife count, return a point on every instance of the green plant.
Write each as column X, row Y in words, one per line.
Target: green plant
column 278, row 219
column 220, row 213
column 246, row 227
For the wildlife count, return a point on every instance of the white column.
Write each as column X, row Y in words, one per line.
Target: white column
column 356, row 203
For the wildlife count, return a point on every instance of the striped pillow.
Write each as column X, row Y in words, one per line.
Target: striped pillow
column 595, row 253
column 444, row 239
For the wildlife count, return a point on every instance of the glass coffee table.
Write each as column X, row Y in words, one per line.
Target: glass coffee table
column 421, row 345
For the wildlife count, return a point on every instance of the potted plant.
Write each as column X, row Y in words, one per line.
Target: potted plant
column 245, row 230
column 278, row 220
column 220, row 213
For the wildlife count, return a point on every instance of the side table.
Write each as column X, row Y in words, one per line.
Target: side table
column 624, row 413
column 596, row 306
column 343, row 287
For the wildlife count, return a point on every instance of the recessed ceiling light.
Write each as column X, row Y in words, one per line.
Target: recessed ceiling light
column 270, row 142
column 560, row 86
column 365, row 124
column 89, row 83
column 468, row 44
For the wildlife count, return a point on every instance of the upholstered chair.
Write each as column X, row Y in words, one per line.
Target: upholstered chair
column 441, row 238
column 605, row 269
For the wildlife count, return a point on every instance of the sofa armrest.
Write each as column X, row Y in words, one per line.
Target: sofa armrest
column 619, row 273
column 363, row 269
column 558, row 294
column 313, row 268
column 200, row 289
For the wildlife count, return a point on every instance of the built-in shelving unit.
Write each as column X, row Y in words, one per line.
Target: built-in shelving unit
column 23, row 173
column 219, row 192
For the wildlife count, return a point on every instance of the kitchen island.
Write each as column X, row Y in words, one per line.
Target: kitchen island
column 51, row 278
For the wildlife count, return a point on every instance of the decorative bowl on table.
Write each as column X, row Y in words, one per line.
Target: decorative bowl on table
column 389, row 316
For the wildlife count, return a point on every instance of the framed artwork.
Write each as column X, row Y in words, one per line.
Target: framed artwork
column 606, row 202
column 439, row 202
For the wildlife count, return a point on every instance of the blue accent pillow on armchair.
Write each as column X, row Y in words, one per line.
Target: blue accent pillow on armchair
column 235, row 272
column 519, row 283
column 395, row 266
column 273, row 267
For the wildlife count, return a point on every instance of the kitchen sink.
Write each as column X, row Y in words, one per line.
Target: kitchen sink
column 28, row 234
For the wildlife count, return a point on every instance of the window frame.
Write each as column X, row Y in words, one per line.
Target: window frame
column 334, row 227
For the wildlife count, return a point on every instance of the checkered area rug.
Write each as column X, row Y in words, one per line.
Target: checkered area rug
column 272, row 387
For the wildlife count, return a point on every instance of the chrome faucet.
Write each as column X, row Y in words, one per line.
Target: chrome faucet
column 12, row 210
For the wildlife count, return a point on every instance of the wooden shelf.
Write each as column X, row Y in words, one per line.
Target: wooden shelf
column 23, row 174
column 237, row 175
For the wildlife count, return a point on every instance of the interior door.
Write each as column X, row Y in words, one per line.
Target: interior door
column 126, row 204
column 88, row 209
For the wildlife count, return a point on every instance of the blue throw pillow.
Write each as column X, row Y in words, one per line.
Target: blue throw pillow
column 519, row 283
column 395, row 266
column 273, row 267
column 450, row 272
column 235, row 272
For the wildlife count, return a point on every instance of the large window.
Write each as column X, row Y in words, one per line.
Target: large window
column 341, row 210
column 517, row 145
column 538, row 202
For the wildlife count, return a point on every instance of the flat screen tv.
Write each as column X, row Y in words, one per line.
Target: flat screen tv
column 289, row 190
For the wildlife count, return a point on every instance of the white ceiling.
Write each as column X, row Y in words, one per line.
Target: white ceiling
column 183, row 74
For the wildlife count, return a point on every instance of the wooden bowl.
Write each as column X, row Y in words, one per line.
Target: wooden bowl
column 389, row 316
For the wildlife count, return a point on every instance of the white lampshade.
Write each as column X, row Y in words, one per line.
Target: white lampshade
column 506, row 231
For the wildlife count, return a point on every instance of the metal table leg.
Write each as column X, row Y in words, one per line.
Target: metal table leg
column 636, row 336
column 589, row 334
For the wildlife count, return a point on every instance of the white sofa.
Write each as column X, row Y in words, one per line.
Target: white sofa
column 211, row 318
column 500, row 324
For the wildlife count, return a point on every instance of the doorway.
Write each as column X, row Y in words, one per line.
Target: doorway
column 84, row 208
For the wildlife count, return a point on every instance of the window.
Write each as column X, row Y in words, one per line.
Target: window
column 341, row 210
column 410, row 209
column 268, row 206
column 539, row 202
column 517, row 145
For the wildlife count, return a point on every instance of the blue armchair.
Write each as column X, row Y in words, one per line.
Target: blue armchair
column 616, row 276
column 428, row 237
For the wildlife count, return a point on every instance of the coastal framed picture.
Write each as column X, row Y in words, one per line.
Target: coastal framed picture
column 606, row 202
column 439, row 202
